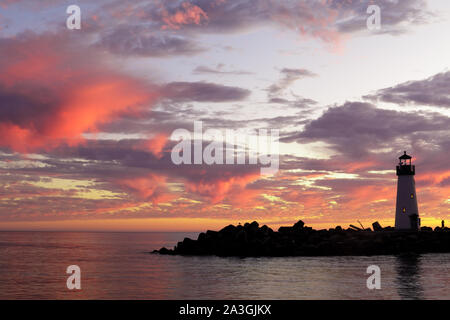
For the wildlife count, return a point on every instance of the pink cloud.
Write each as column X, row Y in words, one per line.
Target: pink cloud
column 54, row 91
column 151, row 187
column 187, row 14
column 217, row 189
column 155, row 145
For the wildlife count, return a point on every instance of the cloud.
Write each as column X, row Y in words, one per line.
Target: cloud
column 216, row 189
column 141, row 41
column 365, row 141
column 53, row 89
column 155, row 144
column 186, row 14
column 137, row 178
column 298, row 103
column 119, row 163
column 396, row 16
column 218, row 70
column 162, row 28
column 48, row 82
column 327, row 20
column 151, row 187
column 203, row 92
column 289, row 76
column 357, row 128
column 433, row 91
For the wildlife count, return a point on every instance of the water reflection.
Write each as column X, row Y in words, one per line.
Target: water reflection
column 408, row 268
column 118, row 266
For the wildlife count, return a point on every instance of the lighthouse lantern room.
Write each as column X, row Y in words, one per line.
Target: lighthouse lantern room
column 407, row 212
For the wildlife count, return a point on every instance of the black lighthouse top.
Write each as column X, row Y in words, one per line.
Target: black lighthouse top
column 405, row 168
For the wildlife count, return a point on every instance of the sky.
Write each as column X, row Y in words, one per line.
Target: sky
column 87, row 115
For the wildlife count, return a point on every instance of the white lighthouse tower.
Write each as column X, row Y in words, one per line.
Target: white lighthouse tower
column 407, row 212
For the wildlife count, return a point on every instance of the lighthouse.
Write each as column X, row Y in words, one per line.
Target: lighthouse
column 407, row 212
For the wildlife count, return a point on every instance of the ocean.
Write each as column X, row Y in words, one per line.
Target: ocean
column 119, row 266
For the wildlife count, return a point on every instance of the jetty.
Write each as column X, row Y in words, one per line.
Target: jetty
column 251, row 240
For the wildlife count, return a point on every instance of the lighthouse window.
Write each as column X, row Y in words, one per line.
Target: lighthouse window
column 412, row 195
column 404, row 210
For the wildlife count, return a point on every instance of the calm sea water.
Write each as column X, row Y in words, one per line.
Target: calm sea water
column 119, row 266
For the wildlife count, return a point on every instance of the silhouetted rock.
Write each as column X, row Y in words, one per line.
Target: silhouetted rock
column 285, row 229
column 299, row 240
column 266, row 230
column 228, row 228
column 298, row 226
column 376, row 226
column 163, row 251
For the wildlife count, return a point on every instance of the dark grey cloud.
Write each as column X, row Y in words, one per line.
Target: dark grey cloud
column 279, row 123
column 203, row 92
column 433, row 91
column 153, row 121
column 175, row 108
column 357, row 129
column 298, row 103
column 27, row 106
column 103, row 160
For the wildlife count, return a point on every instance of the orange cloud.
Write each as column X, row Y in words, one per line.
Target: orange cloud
column 188, row 14
column 155, row 145
column 53, row 92
column 151, row 187
column 434, row 178
column 216, row 190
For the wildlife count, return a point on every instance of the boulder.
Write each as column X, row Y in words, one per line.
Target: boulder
column 298, row 226
column 285, row 229
column 241, row 236
column 211, row 234
column 163, row 250
column 230, row 229
column 201, row 237
column 252, row 227
column 266, row 230
column 376, row 226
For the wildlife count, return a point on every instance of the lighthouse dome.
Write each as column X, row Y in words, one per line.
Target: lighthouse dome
column 405, row 156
